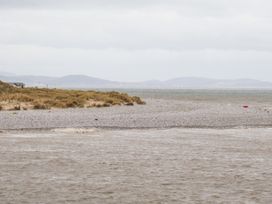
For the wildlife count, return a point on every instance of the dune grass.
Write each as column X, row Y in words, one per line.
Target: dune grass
column 12, row 98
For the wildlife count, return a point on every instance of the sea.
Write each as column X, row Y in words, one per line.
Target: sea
column 177, row 165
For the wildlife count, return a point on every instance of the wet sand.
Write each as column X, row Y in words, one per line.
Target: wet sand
column 136, row 166
column 158, row 113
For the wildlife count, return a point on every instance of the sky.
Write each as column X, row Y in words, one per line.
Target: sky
column 127, row 40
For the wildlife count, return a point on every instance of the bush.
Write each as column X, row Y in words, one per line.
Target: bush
column 106, row 105
column 39, row 106
column 17, row 107
column 138, row 100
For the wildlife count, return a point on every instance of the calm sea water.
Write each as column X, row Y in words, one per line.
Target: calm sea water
column 203, row 95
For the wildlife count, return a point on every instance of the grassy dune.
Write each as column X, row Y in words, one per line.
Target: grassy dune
column 12, row 98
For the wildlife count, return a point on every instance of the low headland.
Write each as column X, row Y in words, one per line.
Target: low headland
column 13, row 98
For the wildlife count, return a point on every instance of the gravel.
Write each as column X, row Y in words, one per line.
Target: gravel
column 157, row 113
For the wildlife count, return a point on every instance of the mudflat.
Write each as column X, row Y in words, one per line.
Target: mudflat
column 136, row 166
column 157, row 113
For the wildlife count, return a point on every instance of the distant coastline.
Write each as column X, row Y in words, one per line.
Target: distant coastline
column 83, row 81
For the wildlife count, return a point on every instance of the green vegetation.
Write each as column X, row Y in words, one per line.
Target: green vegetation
column 12, row 98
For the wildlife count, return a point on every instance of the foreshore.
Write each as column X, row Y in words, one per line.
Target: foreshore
column 136, row 166
column 157, row 113
column 167, row 151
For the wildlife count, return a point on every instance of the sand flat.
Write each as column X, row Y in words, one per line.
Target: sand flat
column 136, row 166
column 157, row 113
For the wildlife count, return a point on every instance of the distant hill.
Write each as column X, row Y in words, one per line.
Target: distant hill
column 70, row 81
column 193, row 82
column 82, row 81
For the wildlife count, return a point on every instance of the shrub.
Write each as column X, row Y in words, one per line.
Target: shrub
column 106, row 105
column 17, row 107
column 138, row 100
column 40, row 106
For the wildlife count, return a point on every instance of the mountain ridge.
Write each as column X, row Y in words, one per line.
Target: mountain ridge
column 84, row 81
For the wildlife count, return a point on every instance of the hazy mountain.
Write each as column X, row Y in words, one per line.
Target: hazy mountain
column 28, row 80
column 194, row 82
column 82, row 81
column 190, row 82
column 70, row 81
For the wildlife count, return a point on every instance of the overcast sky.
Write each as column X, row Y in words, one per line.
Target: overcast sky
column 138, row 40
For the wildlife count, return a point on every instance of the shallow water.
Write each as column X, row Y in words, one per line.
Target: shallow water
column 263, row 96
column 136, row 166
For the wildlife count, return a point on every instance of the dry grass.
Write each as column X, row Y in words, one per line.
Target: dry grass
column 12, row 98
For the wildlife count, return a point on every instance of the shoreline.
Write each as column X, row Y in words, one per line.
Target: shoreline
column 87, row 129
column 156, row 114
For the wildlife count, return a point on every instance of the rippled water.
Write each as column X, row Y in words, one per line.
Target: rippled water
column 136, row 166
column 205, row 95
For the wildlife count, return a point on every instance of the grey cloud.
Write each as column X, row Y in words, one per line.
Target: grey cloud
column 137, row 65
column 134, row 30
column 207, row 5
column 137, row 40
column 83, row 3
